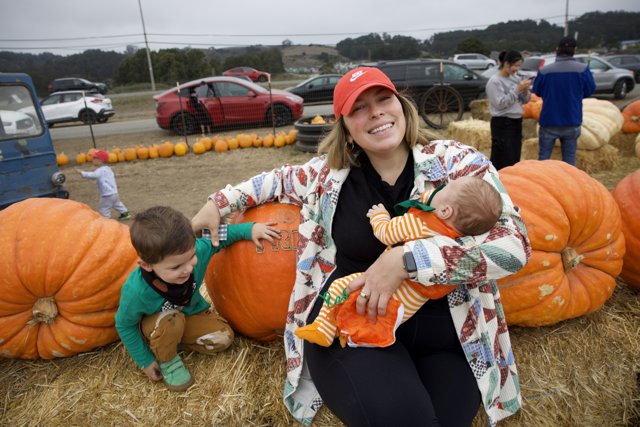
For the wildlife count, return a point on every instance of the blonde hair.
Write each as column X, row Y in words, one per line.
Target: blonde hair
column 341, row 154
column 479, row 207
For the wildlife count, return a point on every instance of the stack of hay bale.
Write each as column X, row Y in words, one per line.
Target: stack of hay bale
column 598, row 146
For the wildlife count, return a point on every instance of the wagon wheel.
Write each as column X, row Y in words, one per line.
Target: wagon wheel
column 440, row 106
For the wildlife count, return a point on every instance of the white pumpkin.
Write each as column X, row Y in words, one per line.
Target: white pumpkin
column 600, row 121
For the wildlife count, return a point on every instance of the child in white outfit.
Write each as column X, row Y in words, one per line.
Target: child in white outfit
column 107, row 186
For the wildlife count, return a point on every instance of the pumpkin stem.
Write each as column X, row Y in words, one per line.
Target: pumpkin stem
column 570, row 259
column 44, row 310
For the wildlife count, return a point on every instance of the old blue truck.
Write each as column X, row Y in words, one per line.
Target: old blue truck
column 28, row 166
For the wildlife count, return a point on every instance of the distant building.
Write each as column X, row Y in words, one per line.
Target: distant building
column 624, row 44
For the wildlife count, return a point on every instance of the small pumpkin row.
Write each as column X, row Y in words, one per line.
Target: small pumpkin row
column 167, row 148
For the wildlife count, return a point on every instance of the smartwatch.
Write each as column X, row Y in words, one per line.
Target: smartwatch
column 410, row 265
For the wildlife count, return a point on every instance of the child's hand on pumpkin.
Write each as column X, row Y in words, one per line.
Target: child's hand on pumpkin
column 153, row 371
column 376, row 209
column 264, row 231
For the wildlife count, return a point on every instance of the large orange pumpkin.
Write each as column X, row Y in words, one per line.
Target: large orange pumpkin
column 627, row 194
column 577, row 244
column 533, row 108
column 251, row 288
column 631, row 117
column 62, row 267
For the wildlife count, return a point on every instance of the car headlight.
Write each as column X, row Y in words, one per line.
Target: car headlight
column 295, row 99
column 58, row 178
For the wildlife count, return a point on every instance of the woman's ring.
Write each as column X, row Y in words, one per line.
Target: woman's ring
column 364, row 295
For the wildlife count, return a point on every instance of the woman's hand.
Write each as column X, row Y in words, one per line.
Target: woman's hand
column 208, row 217
column 524, row 85
column 379, row 283
column 153, row 371
column 266, row 231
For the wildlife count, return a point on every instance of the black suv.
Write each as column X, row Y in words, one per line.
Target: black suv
column 74, row 83
column 418, row 77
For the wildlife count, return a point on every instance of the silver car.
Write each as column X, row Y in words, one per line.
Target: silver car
column 609, row 78
column 474, row 61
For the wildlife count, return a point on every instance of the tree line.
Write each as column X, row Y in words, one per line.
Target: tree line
column 595, row 30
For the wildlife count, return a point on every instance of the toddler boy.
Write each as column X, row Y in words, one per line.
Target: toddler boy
column 160, row 303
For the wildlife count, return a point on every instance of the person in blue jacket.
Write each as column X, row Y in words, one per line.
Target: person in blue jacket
column 562, row 85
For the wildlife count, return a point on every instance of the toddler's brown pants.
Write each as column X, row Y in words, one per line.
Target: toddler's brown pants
column 204, row 332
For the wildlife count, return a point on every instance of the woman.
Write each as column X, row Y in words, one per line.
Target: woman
column 506, row 92
column 455, row 352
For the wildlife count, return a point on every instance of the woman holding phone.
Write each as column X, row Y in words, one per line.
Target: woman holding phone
column 507, row 92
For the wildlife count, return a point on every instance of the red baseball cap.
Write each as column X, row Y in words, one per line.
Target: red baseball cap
column 352, row 84
column 102, row 155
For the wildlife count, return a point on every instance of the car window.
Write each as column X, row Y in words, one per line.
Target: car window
column 395, row 72
column 530, row 64
column 334, row 80
column 51, row 100
column 615, row 61
column 595, row 64
column 228, row 89
column 630, row 60
column 70, row 97
column 454, row 72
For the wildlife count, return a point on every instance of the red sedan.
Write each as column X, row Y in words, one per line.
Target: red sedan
column 223, row 101
column 252, row 73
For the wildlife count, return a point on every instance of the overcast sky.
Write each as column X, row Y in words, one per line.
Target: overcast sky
column 66, row 27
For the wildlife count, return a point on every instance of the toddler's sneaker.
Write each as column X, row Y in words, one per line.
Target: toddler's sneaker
column 125, row 216
column 176, row 376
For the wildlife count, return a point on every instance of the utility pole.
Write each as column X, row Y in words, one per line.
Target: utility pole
column 566, row 19
column 146, row 43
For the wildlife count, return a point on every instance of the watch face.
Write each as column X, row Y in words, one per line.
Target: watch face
column 409, row 262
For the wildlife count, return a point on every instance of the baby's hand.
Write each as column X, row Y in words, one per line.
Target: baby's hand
column 78, row 170
column 375, row 209
column 266, row 231
column 153, row 371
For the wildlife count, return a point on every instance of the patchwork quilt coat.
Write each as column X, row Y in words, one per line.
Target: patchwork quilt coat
column 472, row 263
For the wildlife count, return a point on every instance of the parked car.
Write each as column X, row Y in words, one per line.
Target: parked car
column 318, row 88
column 228, row 101
column 630, row 62
column 609, row 78
column 474, row 61
column 28, row 165
column 252, row 73
column 70, row 106
column 75, row 83
column 418, row 76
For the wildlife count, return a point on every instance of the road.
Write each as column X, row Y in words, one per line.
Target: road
column 146, row 125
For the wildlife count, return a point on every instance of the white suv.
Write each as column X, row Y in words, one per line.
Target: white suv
column 474, row 61
column 70, row 106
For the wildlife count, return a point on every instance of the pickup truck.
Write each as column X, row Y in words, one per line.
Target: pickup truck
column 28, row 166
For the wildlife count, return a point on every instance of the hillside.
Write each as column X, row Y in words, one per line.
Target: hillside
column 308, row 56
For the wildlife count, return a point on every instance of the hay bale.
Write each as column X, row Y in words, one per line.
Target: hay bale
column 476, row 133
column 605, row 158
column 480, row 109
column 625, row 143
column 581, row 372
column 529, row 128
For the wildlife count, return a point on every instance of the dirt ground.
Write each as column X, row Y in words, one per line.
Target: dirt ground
column 181, row 182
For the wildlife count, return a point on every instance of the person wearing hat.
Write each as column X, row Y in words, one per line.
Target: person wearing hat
column 107, row 187
column 562, row 85
column 454, row 353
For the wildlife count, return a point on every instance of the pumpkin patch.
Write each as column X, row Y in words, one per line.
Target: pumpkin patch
column 61, row 278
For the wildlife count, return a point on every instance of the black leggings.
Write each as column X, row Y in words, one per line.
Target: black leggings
column 506, row 141
column 421, row 380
